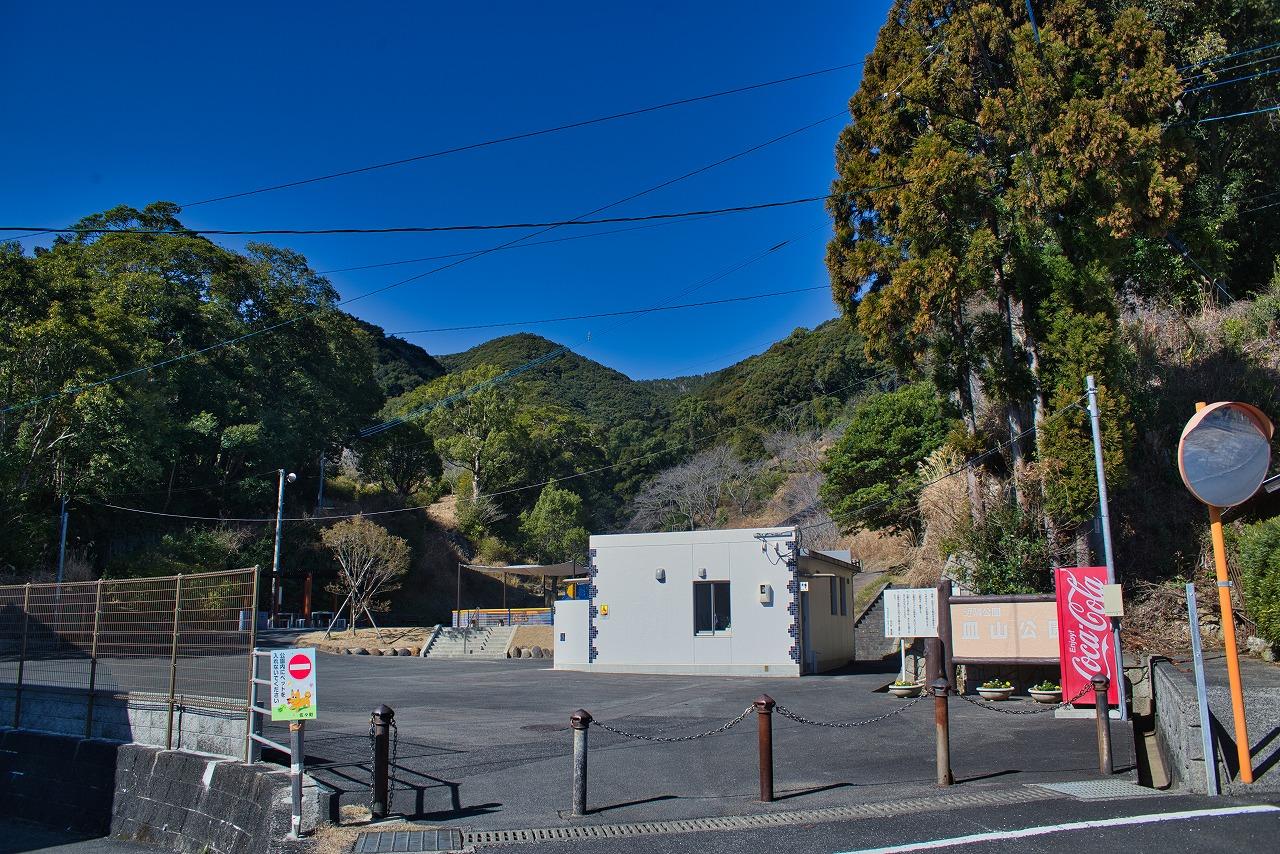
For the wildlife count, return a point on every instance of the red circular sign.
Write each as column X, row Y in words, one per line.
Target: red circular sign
column 299, row 667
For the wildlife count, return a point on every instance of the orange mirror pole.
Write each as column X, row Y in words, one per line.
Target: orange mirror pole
column 1229, row 641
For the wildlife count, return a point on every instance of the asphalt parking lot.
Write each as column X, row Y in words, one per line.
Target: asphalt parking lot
column 486, row 744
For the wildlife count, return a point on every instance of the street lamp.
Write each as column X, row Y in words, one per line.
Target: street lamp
column 277, row 589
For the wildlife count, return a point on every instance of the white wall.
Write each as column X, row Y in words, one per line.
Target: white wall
column 570, row 626
column 649, row 628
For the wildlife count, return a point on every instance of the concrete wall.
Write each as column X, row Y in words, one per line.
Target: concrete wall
column 1177, row 723
column 182, row 801
column 642, row 625
column 201, row 724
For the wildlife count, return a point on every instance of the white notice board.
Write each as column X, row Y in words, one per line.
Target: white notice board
column 911, row 613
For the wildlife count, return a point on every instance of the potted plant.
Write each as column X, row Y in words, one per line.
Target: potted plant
column 1046, row 692
column 905, row 688
column 996, row 689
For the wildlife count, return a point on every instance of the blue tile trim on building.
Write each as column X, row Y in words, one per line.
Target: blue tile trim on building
column 592, row 610
column 793, row 586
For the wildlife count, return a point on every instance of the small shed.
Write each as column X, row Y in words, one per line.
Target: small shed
column 743, row 602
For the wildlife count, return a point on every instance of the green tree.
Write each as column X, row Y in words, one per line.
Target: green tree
column 871, row 472
column 403, row 459
column 1259, row 545
column 555, row 528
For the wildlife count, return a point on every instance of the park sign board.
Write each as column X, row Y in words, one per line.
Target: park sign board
column 1005, row 630
column 911, row 613
column 293, row 684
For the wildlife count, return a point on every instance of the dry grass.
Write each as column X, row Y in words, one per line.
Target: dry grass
column 339, row 838
column 413, row 637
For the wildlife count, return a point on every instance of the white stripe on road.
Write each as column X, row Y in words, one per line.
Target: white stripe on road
column 996, row 835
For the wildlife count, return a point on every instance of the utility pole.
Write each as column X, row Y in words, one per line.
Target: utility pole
column 320, row 491
column 1104, row 517
column 62, row 544
column 277, row 590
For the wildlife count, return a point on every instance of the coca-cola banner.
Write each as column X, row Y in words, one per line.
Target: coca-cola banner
column 1085, row 638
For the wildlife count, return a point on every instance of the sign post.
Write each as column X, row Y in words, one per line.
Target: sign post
column 293, row 699
column 910, row 613
column 1223, row 457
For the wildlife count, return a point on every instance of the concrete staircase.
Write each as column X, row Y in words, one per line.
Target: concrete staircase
column 485, row 643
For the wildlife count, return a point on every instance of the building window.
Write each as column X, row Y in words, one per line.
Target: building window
column 710, row 607
column 832, row 579
column 844, row 601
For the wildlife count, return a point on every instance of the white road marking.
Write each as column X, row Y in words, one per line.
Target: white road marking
column 1043, row 830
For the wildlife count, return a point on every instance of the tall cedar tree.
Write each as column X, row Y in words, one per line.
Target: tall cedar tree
column 1012, row 174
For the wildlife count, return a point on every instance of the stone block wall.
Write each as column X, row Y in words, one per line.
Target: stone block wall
column 1177, row 722
column 185, row 802
column 203, row 725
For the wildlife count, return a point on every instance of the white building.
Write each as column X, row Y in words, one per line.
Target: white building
column 731, row 603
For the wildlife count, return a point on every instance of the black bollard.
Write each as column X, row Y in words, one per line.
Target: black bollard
column 383, row 716
column 581, row 723
column 764, row 715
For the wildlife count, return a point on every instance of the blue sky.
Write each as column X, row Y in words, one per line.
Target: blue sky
column 130, row 104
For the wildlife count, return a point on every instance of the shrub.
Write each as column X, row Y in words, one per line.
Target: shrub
column 1260, row 563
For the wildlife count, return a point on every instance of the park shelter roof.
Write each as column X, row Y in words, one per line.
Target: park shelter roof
column 555, row 570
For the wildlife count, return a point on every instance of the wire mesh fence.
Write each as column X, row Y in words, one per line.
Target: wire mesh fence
column 183, row 640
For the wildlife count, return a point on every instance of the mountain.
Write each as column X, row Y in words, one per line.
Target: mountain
column 401, row 366
column 599, row 393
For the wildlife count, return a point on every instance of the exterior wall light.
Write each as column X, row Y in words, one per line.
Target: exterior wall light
column 660, row 575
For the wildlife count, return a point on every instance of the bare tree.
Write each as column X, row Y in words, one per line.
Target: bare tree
column 685, row 495
column 371, row 561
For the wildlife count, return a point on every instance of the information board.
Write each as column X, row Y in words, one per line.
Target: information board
column 293, row 684
column 1006, row 631
column 911, row 613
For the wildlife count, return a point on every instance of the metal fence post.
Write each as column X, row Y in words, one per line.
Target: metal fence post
column 93, row 659
column 382, row 718
column 764, row 716
column 22, row 655
column 1100, row 684
column 173, row 662
column 581, row 723
column 942, row 726
column 296, row 760
column 251, row 697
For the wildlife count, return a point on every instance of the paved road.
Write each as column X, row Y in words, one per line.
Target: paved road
column 487, row 744
column 1138, row 826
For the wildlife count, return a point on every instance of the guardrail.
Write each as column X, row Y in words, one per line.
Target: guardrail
column 485, row 617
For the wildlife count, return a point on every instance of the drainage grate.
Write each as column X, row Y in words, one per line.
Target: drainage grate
column 1101, row 790
column 884, row 809
column 377, row 842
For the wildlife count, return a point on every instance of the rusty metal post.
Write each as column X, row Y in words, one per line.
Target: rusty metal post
column 173, row 662
column 764, row 717
column 382, row 718
column 93, row 659
column 581, row 723
column 22, row 655
column 944, row 634
column 942, row 725
column 1100, row 685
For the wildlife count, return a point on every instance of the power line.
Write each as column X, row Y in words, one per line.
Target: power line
column 431, row 229
column 526, row 135
column 1270, row 109
column 1251, row 50
column 536, row 485
column 1232, row 67
column 611, row 313
column 1241, row 79
column 281, row 324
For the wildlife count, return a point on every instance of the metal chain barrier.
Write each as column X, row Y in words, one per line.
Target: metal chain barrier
column 996, row 707
column 673, row 739
column 787, row 713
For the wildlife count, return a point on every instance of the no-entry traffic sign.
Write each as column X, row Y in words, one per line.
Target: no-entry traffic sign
column 293, row 684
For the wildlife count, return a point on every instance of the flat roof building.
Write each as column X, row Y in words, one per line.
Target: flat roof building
column 745, row 602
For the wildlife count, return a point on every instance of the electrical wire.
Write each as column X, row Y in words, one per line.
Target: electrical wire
column 1232, row 67
column 536, row 485
column 527, row 134
column 75, row 390
column 432, row 229
column 1270, row 109
column 1204, row 62
column 626, row 312
column 1242, row 79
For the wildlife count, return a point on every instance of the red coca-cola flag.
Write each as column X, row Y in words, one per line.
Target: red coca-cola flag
column 1085, row 638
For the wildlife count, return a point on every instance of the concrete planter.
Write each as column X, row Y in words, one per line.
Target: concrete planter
column 995, row 693
column 1045, row 696
column 905, row 691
